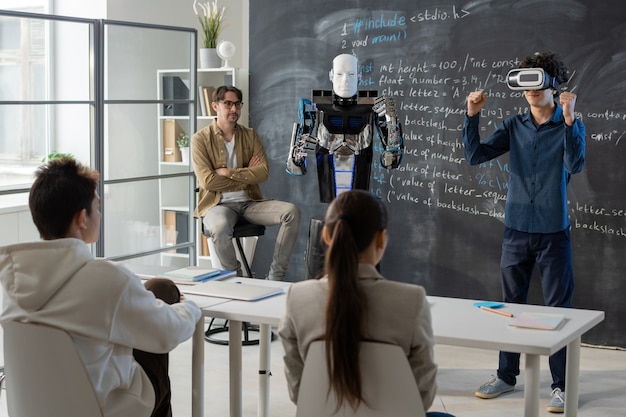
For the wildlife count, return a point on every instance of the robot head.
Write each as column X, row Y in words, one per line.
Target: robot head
column 344, row 75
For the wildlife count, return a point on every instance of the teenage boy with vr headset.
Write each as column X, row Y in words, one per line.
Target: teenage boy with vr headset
column 546, row 146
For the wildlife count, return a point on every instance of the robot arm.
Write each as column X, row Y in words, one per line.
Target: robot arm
column 301, row 139
column 390, row 132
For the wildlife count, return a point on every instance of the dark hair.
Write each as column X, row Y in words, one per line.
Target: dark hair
column 62, row 188
column 550, row 63
column 220, row 92
column 353, row 220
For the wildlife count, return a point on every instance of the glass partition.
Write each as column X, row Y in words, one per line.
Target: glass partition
column 149, row 95
column 116, row 96
column 46, row 93
column 134, row 54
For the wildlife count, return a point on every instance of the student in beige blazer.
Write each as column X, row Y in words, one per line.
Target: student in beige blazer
column 353, row 292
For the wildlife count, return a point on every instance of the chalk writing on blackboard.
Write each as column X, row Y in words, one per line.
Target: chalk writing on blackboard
column 445, row 216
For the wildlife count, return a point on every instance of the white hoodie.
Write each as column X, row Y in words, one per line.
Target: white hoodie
column 103, row 306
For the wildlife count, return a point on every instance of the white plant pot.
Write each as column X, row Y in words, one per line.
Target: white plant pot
column 209, row 58
column 184, row 153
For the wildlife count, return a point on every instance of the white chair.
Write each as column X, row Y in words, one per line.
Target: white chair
column 45, row 376
column 388, row 385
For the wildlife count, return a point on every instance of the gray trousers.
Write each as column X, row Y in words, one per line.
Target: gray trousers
column 220, row 220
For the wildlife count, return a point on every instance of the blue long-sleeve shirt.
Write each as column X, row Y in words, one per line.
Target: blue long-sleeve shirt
column 542, row 158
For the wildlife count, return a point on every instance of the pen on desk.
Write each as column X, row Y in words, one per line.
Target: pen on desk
column 493, row 310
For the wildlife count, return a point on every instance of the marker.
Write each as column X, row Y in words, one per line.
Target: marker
column 493, row 310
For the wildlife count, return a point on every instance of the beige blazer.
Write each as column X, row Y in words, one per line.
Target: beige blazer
column 397, row 313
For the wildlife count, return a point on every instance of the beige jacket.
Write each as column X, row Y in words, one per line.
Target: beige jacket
column 208, row 153
column 397, row 313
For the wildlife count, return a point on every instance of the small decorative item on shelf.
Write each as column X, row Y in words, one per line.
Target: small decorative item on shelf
column 226, row 50
column 183, row 144
column 211, row 20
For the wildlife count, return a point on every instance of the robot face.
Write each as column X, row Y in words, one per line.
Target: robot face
column 344, row 75
column 530, row 79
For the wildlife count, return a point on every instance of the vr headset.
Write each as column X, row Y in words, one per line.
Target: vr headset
column 530, row 79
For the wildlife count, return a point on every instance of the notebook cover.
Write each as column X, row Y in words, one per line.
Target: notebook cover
column 234, row 290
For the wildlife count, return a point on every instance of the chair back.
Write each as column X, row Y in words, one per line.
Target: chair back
column 45, row 376
column 387, row 382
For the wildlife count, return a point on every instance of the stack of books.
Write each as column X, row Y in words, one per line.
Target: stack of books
column 197, row 274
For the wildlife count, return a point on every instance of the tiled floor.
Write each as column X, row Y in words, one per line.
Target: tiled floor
column 461, row 370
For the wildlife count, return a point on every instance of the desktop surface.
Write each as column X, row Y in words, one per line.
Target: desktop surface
column 458, row 322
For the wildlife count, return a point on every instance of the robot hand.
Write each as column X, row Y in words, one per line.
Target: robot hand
column 390, row 132
column 380, row 105
column 392, row 158
column 300, row 144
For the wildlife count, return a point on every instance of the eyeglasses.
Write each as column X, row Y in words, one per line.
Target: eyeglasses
column 230, row 104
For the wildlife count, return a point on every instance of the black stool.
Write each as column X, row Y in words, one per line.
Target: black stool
column 242, row 229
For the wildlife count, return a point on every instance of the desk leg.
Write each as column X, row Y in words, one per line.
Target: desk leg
column 531, row 391
column 236, row 386
column 571, row 378
column 264, row 370
column 197, row 370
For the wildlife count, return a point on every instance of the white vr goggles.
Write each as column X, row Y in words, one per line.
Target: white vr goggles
column 530, row 79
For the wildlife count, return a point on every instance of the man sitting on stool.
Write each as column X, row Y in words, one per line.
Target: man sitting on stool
column 230, row 162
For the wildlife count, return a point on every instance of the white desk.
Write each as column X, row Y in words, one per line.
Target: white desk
column 197, row 355
column 455, row 322
column 265, row 313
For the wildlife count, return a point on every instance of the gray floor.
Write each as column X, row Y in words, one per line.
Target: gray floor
column 461, row 370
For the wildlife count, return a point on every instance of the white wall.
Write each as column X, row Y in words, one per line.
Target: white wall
column 161, row 12
column 92, row 9
column 17, row 226
column 180, row 13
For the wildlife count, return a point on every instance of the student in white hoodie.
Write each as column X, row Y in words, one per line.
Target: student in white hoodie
column 105, row 308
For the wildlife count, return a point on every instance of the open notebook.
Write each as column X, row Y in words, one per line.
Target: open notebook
column 541, row 321
column 234, row 290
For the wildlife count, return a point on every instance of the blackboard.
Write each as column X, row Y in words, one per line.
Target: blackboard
column 446, row 217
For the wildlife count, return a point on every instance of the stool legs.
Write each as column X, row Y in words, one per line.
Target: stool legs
column 244, row 260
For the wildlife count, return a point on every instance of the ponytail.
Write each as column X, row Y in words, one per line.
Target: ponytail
column 352, row 222
column 344, row 309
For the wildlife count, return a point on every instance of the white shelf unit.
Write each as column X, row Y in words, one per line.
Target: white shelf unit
column 173, row 191
column 214, row 77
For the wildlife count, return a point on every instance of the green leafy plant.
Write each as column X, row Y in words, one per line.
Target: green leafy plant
column 211, row 20
column 183, row 140
column 55, row 155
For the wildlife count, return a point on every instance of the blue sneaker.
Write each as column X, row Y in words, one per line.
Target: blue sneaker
column 557, row 401
column 493, row 388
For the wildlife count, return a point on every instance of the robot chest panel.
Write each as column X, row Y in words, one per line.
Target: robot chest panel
column 350, row 121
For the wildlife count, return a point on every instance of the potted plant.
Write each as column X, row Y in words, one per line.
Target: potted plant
column 211, row 20
column 183, row 144
column 55, row 155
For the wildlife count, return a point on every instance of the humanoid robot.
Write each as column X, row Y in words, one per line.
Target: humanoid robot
column 348, row 122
